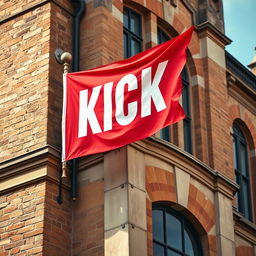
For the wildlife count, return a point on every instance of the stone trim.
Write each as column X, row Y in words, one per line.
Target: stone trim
column 207, row 29
column 219, row 182
column 244, row 227
column 43, row 163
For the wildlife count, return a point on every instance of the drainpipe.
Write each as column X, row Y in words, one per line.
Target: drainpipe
column 79, row 6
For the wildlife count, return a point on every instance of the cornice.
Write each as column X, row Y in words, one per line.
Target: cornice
column 176, row 156
column 206, row 29
column 41, row 164
column 19, row 161
column 239, row 74
column 244, row 227
column 242, row 93
column 45, row 163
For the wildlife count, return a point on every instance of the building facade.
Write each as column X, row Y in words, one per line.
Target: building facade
column 188, row 190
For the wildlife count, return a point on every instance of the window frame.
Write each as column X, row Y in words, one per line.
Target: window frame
column 187, row 121
column 185, row 224
column 242, row 176
column 130, row 34
column 164, row 133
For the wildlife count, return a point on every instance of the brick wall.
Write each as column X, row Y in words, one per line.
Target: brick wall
column 24, row 61
column 218, row 130
column 57, row 234
column 244, row 250
column 31, row 79
column 33, row 223
column 22, row 221
column 88, row 219
column 102, row 35
column 61, row 36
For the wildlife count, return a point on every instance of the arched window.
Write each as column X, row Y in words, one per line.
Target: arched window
column 132, row 33
column 173, row 235
column 242, row 172
column 165, row 132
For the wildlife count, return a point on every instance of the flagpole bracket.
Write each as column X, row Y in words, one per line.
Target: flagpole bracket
column 58, row 52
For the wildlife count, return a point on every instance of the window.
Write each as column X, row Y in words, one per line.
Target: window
column 172, row 234
column 132, row 33
column 161, row 38
column 186, row 107
column 165, row 133
column 242, row 172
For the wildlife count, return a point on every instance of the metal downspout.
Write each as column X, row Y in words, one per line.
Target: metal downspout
column 79, row 6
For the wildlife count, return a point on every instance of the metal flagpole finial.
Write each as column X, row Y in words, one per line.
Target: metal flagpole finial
column 66, row 59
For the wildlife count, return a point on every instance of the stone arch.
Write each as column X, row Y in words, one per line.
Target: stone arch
column 161, row 187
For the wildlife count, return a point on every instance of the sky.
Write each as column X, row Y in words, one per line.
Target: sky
column 240, row 27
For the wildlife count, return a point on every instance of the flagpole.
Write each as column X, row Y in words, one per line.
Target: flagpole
column 66, row 59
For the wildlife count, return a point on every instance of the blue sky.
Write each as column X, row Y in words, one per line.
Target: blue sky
column 240, row 27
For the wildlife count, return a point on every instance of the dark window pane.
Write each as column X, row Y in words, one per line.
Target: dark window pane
column 158, row 225
column 188, row 244
column 184, row 75
column 159, row 41
column 180, row 239
column 135, row 47
column 186, row 107
column 243, row 159
column 172, row 253
column 234, row 153
column 158, row 250
column 237, row 178
column 132, row 33
column 187, row 135
column 135, row 24
column 238, row 132
column 161, row 37
column 165, row 133
column 239, row 197
column 185, row 100
column 173, row 232
column 125, row 46
column 246, row 199
column 126, row 24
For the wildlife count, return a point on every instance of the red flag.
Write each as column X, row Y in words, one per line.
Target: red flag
column 113, row 105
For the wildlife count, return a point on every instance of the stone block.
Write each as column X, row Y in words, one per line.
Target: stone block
column 115, row 168
column 117, row 242
column 182, row 186
column 115, row 208
column 136, row 168
column 138, row 241
column 137, row 207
